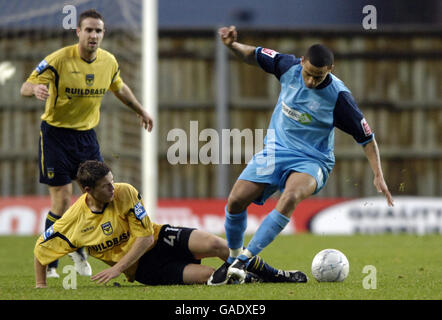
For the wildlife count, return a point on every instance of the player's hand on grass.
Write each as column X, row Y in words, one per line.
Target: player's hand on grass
column 41, row 92
column 381, row 186
column 228, row 35
column 106, row 275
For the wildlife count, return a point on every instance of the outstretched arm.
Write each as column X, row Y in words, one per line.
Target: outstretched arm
column 126, row 96
column 245, row 52
column 372, row 153
column 140, row 246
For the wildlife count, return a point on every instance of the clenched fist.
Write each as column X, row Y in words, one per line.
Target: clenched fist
column 41, row 92
column 228, row 35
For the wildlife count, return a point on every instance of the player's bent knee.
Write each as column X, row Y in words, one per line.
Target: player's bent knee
column 62, row 202
column 219, row 247
column 289, row 200
column 296, row 196
column 236, row 204
column 197, row 274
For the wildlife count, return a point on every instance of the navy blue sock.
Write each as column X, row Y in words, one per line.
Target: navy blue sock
column 258, row 266
column 50, row 220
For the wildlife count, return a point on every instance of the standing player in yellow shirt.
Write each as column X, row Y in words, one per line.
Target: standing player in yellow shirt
column 72, row 81
column 110, row 220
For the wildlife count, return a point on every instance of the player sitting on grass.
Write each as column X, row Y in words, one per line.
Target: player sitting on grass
column 73, row 81
column 109, row 220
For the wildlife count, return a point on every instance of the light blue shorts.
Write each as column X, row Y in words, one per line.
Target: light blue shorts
column 273, row 167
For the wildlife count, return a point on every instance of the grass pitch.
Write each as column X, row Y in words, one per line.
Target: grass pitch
column 407, row 267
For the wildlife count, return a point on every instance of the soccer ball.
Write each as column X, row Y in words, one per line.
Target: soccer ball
column 330, row 265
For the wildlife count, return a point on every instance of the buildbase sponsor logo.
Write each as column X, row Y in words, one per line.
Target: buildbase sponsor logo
column 417, row 215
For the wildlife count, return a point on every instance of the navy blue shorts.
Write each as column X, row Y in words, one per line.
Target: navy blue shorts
column 164, row 264
column 61, row 151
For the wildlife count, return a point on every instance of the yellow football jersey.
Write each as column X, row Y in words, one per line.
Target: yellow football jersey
column 107, row 235
column 76, row 87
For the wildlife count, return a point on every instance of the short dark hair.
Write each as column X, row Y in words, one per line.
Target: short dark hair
column 320, row 56
column 90, row 172
column 91, row 13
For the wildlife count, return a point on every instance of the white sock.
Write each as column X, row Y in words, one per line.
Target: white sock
column 235, row 252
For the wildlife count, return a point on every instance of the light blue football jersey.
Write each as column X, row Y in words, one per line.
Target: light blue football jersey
column 304, row 119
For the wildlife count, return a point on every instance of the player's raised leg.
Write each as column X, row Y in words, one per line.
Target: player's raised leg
column 298, row 187
column 242, row 194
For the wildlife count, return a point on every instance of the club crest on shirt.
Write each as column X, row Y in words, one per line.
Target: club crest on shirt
column 90, row 79
column 107, row 228
column 314, row 106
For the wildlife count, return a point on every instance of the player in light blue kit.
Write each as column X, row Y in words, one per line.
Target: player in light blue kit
column 298, row 154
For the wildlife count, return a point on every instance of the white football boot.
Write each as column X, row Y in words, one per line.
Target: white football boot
column 237, row 271
column 52, row 273
column 82, row 267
